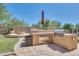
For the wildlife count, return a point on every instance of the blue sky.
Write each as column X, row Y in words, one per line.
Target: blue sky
column 31, row 13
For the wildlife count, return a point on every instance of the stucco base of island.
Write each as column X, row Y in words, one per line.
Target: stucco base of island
column 42, row 38
column 67, row 41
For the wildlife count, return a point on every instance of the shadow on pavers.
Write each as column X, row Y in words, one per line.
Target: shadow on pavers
column 57, row 48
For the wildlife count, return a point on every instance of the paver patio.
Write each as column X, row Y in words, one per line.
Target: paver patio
column 44, row 50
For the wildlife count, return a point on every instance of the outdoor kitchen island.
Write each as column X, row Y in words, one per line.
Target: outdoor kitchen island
column 55, row 45
column 48, row 43
column 65, row 40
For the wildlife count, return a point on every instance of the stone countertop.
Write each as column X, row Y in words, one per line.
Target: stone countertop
column 43, row 33
column 69, row 34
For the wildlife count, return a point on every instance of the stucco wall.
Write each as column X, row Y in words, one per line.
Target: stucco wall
column 22, row 29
